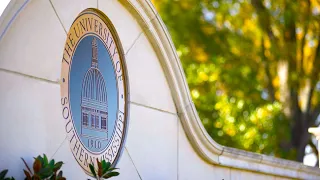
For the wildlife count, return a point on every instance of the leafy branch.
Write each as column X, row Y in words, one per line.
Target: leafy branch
column 3, row 175
column 43, row 169
column 104, row 171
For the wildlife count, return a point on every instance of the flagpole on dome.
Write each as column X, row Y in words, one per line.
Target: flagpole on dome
column 94, row 59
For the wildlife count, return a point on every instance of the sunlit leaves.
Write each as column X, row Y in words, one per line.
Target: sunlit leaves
column 232, row 53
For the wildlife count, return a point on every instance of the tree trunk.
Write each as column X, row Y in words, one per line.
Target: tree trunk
column 293, row 80
column 304, row 139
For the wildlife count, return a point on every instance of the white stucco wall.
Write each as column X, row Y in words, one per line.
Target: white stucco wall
column 33, row 34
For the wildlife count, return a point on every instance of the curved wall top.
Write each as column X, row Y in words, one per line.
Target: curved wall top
column 143, row 12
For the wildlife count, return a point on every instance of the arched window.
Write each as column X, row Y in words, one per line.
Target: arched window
column 85, row 119
column 103, row 123
column 97, row 122
column 92, row 121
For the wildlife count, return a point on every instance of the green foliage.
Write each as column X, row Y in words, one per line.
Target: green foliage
column 44, row 169
column 3, row 175
column 104, row 171
column 252, row 67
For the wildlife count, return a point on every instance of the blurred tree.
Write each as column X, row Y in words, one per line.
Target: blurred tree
column 252, row 68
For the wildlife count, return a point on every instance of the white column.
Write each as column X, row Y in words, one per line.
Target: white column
column 316, row 132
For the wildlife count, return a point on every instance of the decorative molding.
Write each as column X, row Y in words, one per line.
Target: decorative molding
column 204, row 145
column 12, row 10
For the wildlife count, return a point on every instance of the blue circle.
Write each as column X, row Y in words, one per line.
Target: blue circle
column 93, row 94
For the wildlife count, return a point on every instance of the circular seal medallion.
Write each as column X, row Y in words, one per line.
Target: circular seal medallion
column 94, row 92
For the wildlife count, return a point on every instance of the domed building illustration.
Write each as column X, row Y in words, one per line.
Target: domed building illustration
column 94, row 101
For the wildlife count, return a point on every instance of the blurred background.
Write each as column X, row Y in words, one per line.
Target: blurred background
column 253, row 70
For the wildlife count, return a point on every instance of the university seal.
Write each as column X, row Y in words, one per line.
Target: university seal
column 94, row 92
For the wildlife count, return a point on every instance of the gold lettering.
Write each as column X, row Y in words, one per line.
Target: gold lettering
column 90, row 24
column 71, row 40
column 67, row 49
column 82, row 25
column 75, row 147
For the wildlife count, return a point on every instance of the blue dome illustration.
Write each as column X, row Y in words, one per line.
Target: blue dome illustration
column 94, row 101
